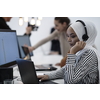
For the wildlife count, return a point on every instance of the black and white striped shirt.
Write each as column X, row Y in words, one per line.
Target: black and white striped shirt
column 81, row 69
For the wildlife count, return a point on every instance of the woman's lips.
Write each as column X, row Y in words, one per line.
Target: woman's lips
column 71, row 44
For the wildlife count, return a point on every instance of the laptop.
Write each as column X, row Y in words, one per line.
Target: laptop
column 9, row 50
column 28, row 73
column 22, row 40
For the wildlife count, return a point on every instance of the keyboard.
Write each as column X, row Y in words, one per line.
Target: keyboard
column 45, row 67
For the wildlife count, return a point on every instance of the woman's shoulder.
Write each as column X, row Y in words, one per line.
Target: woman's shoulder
column 86, row 52
column 87, row 55
column 56, row 33
column 89, row 52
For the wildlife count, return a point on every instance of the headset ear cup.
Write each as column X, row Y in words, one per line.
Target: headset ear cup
column 85, row 37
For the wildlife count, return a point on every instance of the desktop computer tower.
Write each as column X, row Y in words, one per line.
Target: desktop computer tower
column 6, row 73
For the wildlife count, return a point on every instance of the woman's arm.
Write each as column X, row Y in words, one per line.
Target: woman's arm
column 76, row 70
column 43, row 41
column 56, row 74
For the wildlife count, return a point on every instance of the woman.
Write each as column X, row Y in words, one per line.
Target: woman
column 82, row 64
column 61, row 24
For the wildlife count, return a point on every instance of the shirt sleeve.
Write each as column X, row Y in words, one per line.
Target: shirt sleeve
column 75, row 71
column 56, row 74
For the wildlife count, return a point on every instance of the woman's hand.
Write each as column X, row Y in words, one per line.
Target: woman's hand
column 29, row 48
column 43, row 77
column 77, row 47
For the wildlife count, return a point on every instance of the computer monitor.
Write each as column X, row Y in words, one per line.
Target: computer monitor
column 8, row 46
column 22, row 40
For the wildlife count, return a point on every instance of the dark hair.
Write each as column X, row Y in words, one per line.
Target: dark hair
column 63, row 19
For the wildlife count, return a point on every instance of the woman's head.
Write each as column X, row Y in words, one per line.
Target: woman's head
column 61, row 23
column 78, row 30
column 7, row 19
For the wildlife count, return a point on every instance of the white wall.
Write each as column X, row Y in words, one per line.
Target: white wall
column 44, row 31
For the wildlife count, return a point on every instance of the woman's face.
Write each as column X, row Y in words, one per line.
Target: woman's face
column 71, row 37
column 59, row 26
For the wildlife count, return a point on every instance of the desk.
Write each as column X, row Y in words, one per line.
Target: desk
column 49, row 59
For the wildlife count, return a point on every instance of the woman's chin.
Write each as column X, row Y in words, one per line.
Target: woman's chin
column 71, row 45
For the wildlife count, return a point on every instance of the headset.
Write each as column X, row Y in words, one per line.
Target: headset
column 85, row 36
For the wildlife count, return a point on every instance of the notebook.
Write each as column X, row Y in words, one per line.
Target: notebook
column 45, row 67
column 28, row 73
column 24, row 40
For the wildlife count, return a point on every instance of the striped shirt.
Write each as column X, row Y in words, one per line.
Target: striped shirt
column 80, row 69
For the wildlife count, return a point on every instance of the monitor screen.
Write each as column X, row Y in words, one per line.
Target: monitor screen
column 22, row 40
column 8, row 46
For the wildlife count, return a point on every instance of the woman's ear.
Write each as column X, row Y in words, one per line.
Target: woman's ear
column 64, row 23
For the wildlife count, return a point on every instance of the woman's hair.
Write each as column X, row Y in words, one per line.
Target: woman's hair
column 63, row 19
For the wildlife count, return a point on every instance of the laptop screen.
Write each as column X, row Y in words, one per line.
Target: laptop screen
column 22, row 40
column 8, row 46
column 27, row 71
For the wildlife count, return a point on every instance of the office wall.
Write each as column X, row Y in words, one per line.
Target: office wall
column 44, row 30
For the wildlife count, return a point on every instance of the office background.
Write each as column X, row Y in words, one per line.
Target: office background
column 44, row 30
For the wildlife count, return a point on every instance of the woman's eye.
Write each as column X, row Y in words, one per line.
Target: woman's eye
column 73, row 36
column 67, row 36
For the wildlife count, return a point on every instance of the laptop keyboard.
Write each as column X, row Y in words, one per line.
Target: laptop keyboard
column 45, row 67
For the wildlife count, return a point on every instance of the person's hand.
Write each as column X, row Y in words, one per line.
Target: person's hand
column 29, row 48
column 28, row 30
column 77, row 47
column 43, row 77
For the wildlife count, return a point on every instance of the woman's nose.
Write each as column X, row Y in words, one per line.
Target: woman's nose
column 55, row 27
column 68, row 39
